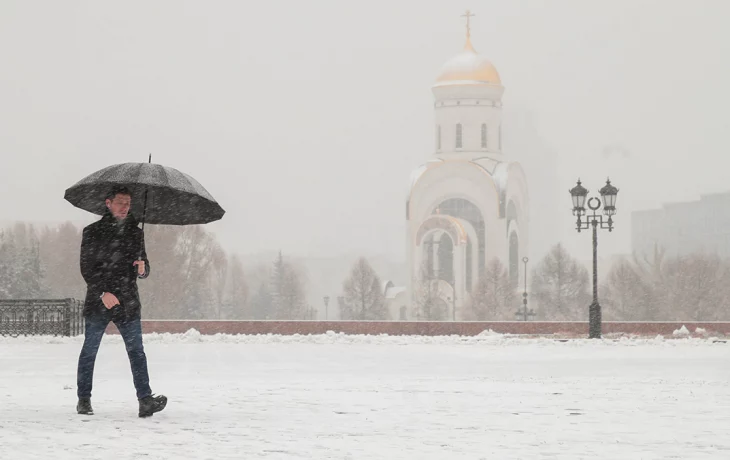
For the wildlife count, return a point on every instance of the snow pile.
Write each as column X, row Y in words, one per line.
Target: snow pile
column 485, row 338
column 192, row 336
column 488, row 333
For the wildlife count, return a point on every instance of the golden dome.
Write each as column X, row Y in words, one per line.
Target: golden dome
column 468, row 68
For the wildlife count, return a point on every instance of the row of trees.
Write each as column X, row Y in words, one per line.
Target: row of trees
column 560, row 288
column 693, row 287
column 193, row 276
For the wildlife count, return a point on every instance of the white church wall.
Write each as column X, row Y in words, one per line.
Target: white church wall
column 470, row 106
column 470, row 114
column 397, row 304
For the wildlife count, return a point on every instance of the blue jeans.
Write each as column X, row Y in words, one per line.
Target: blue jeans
column 131, row 331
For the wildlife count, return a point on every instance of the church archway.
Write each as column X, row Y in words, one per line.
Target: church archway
column 468, row 211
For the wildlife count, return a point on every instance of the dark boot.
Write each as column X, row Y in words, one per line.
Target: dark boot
column 151, row 404
column 84, row 406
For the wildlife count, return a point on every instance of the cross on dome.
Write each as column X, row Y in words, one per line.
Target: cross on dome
column 468, row 15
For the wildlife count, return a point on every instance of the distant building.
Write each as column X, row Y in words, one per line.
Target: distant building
column 701, row 226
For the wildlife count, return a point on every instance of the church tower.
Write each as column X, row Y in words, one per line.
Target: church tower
column 467, row 205
column 468, row 106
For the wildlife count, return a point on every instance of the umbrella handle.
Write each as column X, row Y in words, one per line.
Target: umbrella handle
column 144, row 217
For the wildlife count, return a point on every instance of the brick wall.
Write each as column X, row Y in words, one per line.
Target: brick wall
column 422, row 328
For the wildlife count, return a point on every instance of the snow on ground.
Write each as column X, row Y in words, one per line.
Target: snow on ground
column 373, row 397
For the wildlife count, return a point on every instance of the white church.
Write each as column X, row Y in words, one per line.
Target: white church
column 468, row 203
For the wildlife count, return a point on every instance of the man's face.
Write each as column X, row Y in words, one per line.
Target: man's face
column 119, row 206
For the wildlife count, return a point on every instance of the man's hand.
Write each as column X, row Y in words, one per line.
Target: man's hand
column 110, row 300
column 140, row 266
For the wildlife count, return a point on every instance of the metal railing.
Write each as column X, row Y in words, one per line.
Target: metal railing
column 41, row 317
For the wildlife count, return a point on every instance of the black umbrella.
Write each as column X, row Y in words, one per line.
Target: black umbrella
column 160, row 194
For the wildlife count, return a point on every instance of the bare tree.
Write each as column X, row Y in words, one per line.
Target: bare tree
column 161, row 293
column 220, row 281
column 560, row 287
column 692, row 287
column 184, row 262
column 199, row 254
column 428, row 305
column 700, row 284
column 652, row 299
column 625, row 295
column 494, row 296
column 60, row 249
column 363, row 295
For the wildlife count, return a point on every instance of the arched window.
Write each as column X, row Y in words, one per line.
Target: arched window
column 446, row 258
column 484, row 135
column 458, row 135
column 463, row 209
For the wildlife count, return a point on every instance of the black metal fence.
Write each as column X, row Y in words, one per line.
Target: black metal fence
column 41, row 317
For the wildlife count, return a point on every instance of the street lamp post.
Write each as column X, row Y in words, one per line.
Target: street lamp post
column 524, row 314
column 326, row 310
column 585, row 221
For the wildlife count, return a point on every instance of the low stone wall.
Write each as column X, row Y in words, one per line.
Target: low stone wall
column 424, row 327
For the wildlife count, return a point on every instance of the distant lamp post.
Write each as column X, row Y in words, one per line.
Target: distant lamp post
column 524, row 314
column 585, row 221
column 326, row 310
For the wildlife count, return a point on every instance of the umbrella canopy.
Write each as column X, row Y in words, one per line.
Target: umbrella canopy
column 160, row 194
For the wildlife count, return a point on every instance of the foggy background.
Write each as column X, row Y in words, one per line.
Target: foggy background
column 304, row 120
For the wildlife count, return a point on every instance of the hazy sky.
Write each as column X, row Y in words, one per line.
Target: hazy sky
column 305, row 119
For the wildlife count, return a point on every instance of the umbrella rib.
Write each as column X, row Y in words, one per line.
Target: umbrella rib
column 165, row 175
column 104, row 176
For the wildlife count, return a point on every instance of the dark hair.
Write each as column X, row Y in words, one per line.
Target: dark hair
column 118, row 190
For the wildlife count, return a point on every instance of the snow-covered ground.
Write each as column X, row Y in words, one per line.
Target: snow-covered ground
column 358, row 397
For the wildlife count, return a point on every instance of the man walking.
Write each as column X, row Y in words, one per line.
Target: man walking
column 113, row 257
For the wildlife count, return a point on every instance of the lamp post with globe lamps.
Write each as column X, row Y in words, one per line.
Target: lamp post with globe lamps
column 595, row 220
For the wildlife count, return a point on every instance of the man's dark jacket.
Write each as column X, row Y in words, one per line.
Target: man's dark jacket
column 108, row 252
